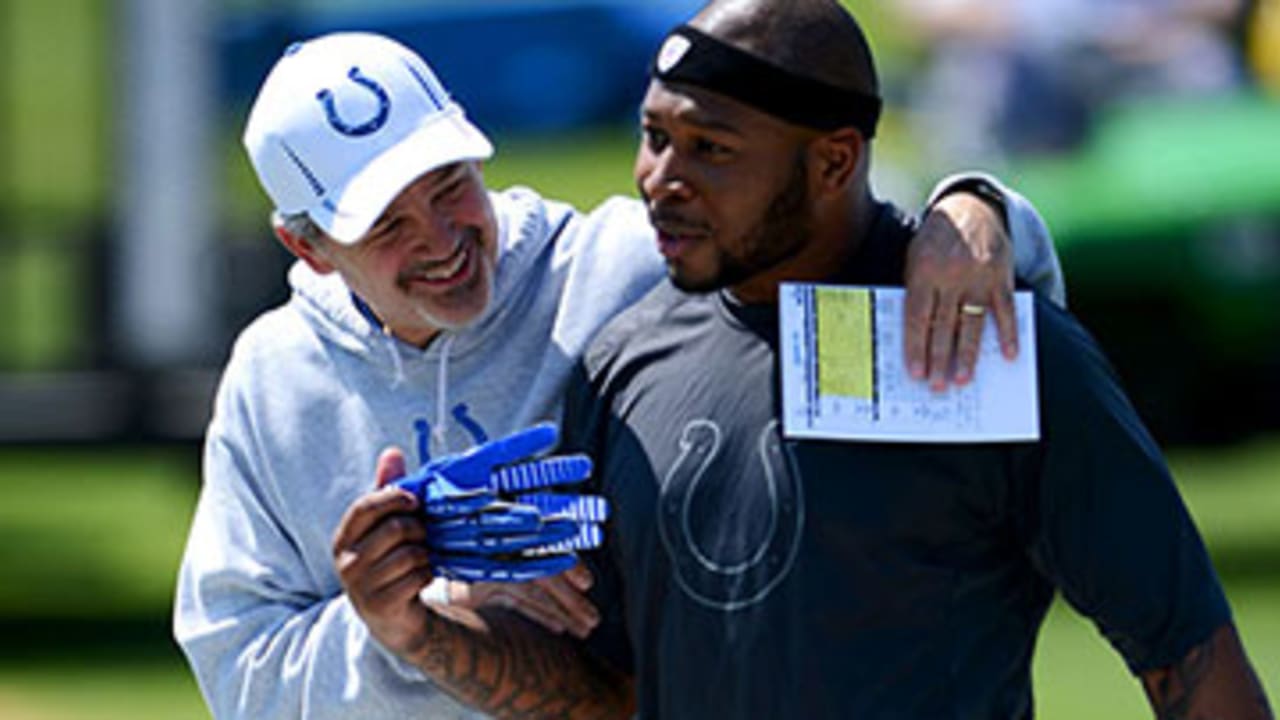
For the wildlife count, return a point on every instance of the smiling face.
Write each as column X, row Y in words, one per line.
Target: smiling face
column 428, row 263
column 726, row 187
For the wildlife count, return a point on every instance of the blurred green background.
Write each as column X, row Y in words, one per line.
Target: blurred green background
column 91, row 532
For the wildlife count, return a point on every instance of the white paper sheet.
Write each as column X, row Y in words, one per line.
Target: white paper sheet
column 844, row 374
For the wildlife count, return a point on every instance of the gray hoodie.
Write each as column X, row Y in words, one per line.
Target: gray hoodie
column 312, row 394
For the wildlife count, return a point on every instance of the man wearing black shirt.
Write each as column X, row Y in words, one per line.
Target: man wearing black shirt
column 755, row 575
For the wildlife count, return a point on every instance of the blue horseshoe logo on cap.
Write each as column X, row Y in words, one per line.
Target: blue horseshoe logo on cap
column 369, row 126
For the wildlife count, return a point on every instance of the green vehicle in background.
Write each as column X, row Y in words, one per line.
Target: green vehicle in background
column 1167, row 220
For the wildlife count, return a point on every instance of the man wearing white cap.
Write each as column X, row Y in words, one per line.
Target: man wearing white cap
column 430, row 314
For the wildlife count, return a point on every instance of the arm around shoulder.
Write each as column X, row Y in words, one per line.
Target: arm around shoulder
column 975, row 238
column 1035, row 260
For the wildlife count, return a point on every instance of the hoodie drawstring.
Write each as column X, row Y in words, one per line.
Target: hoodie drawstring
column 396, row 362
column 442, row 398
column 385, row 330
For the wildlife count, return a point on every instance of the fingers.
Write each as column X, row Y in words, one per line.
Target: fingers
column 475, row 539
column 357, row 554
column 971, row 325
column 575, row 611
column 968, row 343
column 942, row 341
column 562, row 470
column 396, row 576
column 960, row 254
column 930, row 282
column 580, row 577
column 361, row 517
column 556, row 603
column 517, row 446
column 584, row 508
column 1006, row 323
column 525, row 443
column 390, row 467
column 531, row 602
column 467, row 595
column 386, row 596
column 382, row 563
column 487, row 568
column 917, row 318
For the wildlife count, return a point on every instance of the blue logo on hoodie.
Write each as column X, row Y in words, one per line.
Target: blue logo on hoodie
column 422, row 429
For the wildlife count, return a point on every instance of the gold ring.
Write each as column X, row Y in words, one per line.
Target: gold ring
column 972, row 309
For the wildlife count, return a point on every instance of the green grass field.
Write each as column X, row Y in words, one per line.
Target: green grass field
column 90, row 540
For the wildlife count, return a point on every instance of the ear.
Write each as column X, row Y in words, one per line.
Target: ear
column 304, row 250
column 834, row 160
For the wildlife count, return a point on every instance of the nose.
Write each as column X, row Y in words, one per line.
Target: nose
column 661, row 175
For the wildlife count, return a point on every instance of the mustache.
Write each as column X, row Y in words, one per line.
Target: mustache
column 468, row 236
column 674, row 223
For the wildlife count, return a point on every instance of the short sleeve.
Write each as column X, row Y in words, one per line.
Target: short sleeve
column 1105, row 522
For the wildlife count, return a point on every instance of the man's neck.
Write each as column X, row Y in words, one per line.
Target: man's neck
column 421, row 339
column 830, row 247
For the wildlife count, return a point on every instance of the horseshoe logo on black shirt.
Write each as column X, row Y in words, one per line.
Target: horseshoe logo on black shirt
column 730, row 584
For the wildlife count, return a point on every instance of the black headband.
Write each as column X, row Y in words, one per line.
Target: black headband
column 695, row 58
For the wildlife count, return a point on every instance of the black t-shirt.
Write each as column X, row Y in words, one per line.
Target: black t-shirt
column 748, row 575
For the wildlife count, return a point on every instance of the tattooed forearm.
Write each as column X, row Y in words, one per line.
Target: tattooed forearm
column 1213, row 680
column 510, row 668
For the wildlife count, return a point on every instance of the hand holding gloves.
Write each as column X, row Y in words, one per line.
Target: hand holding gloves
column 491, row 514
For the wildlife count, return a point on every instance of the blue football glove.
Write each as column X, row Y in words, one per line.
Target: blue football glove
column 483, row 521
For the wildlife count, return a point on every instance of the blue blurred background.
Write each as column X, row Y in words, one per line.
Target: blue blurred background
column 134, row 244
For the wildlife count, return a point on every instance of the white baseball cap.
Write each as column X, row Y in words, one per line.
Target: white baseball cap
column 344, row 122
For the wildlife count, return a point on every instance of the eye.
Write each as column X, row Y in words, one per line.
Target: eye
column 711, row 149
column 656, row 139
column 387, row 231
column 453, row 189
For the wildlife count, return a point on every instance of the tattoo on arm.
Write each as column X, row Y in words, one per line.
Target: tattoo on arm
column 1213, row 680
column 508, row 667
column 1173, row 689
